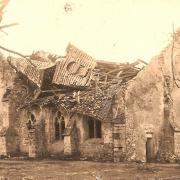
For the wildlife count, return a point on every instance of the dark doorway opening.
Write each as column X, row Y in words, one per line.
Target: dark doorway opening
column 149, row 149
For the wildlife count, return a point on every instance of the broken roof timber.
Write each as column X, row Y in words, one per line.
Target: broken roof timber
column 35, row 72
column 100, row 81
column 75, row 70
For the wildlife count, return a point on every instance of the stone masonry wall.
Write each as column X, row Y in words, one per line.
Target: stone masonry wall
column 177, row 144
column 42, row 138
column 119, row 126
column 23, row 133
column 171, row 56
column 100, row 149
column 145, row 110
column 152, row 104
column 7, row 145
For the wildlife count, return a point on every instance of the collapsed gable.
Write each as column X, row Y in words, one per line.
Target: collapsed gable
column 75, row 70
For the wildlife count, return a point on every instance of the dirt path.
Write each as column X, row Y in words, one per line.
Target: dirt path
column 83, row 170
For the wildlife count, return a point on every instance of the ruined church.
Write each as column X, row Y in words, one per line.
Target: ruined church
column 79, row 107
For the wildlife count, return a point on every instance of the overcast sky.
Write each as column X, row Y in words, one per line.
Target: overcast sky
column 115, row 30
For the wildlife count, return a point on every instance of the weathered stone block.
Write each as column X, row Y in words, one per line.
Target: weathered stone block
column 3, row 148
column 177, row 144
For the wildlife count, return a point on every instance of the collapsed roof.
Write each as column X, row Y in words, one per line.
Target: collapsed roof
column 76, row 82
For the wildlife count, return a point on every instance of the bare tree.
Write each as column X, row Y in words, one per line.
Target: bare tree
column 3, row 4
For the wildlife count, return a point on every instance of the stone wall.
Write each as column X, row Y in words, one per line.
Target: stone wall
column 54, row 147
column 23, row 132
column 145, row 110
column 36, row 135
column 9, row 140
column 44, row 134
column 177, row 144
column 3, row 146
column 95, row 148
column 171, row 69
column 119, row 126
column 11, row 123
column 74, row 135
column 40, row 141
column 152, row 105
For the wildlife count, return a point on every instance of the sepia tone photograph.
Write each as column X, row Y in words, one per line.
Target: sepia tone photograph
column 89, row 90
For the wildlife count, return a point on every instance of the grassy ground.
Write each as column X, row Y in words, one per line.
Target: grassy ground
column 84, row 170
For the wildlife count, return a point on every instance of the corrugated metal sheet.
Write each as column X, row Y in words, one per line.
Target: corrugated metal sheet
column 75, row 69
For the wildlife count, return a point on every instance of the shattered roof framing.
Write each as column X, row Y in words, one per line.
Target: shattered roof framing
column 35, row 73
column 77, row 82
column 75, row 69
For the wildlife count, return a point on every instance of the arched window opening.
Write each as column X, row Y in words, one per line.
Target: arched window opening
column 31, row 122
column 94, row 128
column 57, row 130
column 33, row 119
column 62, row 127
column 59, row 126
column 59, row 114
